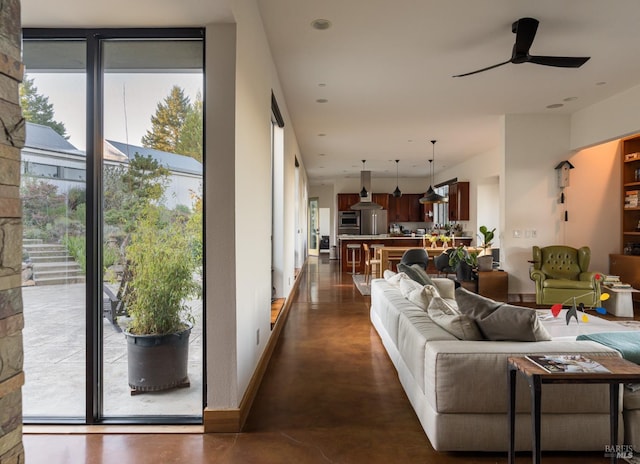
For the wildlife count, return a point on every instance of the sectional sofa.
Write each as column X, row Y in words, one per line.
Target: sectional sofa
column 458, row 388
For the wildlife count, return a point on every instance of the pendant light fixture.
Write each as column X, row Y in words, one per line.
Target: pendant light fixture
column 431, row 196
column 397, row 193
column 365, row 202
column 363, row 192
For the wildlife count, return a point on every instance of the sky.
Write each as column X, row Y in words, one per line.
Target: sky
column 130, row 100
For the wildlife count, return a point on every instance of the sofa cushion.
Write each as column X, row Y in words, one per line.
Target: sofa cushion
column 407, row 286
column 448, row 317
column 422, row 297
column 515, row 323
column 395, row 278
column 415, row 272
column 474, row 305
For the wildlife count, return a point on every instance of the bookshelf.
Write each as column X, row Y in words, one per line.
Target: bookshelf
column 627, row 264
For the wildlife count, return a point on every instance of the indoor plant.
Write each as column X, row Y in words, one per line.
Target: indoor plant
column 485, row 260
column 162, row 263
column 463, row 262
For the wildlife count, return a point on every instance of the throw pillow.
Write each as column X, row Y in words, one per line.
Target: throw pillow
column 407, row 286
column 396, row 278
column 422, row 297
column 459, row 325
column 388, row 273
column 509, row 322
column 474, row 305
column 416, row 273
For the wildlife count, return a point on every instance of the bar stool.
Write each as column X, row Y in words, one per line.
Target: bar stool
column 375, row 261
column 351, row 249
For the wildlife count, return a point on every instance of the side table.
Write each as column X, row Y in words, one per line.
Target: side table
column 620, row 303
column 622, row 371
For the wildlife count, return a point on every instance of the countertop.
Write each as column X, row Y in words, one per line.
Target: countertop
column 385, row 237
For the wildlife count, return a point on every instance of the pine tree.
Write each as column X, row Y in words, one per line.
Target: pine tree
column 167, row 123
column 37, row 109
column 190, row 142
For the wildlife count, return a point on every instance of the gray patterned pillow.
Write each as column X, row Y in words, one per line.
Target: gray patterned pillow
column 459, row 325
column 416, row 273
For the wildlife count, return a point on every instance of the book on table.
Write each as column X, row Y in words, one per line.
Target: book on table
column 567, row 364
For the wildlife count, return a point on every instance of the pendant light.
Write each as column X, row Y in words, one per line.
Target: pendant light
column 431, row 196
column 365, row 202
column 363, row 192
column 397, row 193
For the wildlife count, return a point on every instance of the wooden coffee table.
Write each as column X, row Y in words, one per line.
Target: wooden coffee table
column 622, row 371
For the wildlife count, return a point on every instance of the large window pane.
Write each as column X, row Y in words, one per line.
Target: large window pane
column 152, row 215
column 54, row 205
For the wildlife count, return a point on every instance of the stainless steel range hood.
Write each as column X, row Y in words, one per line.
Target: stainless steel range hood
column 365, row 203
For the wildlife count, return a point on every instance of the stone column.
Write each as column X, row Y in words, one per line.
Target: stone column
column 11, row 319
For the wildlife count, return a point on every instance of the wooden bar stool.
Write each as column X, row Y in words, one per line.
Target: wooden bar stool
column 351, row 253
column 376, row 263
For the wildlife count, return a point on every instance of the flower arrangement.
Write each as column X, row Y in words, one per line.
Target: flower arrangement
column 445, row 239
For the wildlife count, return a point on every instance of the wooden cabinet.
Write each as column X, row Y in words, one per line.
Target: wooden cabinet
column 459, row 201
column 407, row 208
column 346, row 200
column 382, row 199
column 627, row 265
column 628, row 268
column 492, row 284
column 631, row 193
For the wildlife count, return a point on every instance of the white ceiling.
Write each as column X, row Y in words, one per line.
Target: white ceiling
column 385, row 68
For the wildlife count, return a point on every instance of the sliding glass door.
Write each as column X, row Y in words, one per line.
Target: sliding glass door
column 121, row 194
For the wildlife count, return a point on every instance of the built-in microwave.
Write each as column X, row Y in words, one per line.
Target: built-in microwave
column 348, row 219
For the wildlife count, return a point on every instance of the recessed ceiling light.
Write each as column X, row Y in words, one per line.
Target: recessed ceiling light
column 322, row 84
column 601, row 83
column 321, row 24
column 569, row 99
column 555, row 105
column 322, row 154
column 322, row 135
column 322, row 100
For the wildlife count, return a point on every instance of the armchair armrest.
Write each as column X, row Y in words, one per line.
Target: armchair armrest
column 537, row 275
column 589, row 276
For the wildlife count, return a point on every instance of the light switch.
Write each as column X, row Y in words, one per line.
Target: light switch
column 517, row 233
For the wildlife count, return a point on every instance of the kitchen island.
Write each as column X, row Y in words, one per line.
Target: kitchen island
column 388, row 241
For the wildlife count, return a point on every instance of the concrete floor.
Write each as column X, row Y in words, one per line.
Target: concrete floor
column 54, row 361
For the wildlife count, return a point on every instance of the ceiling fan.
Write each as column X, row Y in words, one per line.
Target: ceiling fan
column 525, row 31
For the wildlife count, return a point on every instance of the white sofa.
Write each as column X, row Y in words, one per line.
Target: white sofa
column 458, row 388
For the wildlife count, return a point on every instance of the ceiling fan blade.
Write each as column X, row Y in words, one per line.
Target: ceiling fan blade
column 559, row 61
column 483, row 69
column 525, row 30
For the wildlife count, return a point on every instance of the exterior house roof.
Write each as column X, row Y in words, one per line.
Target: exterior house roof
column 45, row 138
column 172, row 161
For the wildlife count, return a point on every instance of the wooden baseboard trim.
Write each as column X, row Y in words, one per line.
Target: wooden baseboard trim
column 233, row 420
column 109, row 429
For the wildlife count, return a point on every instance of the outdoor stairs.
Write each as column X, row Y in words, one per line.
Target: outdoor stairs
column 52, row 264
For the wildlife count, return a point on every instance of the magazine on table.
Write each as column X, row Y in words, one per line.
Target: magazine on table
column 567, row 363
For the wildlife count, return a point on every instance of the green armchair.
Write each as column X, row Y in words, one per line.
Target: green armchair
column 561, row 273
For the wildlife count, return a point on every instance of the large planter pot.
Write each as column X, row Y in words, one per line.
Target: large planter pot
column 485, row 263
column 464, row 272
column 158, row 362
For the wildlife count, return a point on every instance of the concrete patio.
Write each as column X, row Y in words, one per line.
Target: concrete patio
column 54, row 361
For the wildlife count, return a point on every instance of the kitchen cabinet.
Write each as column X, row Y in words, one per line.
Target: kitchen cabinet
column 346, row 200
column 459, row 201
column 407, row 208
column 382, row 199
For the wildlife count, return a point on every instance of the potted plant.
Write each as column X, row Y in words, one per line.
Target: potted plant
column 463, row 262
column 485, row 260
column 162, row 262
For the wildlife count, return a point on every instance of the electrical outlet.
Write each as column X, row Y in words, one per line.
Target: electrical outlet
column 534, row 233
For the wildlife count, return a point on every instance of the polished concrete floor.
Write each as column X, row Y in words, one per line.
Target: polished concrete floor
column 330, row 395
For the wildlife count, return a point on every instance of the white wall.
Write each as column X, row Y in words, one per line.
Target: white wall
column 240, row 76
